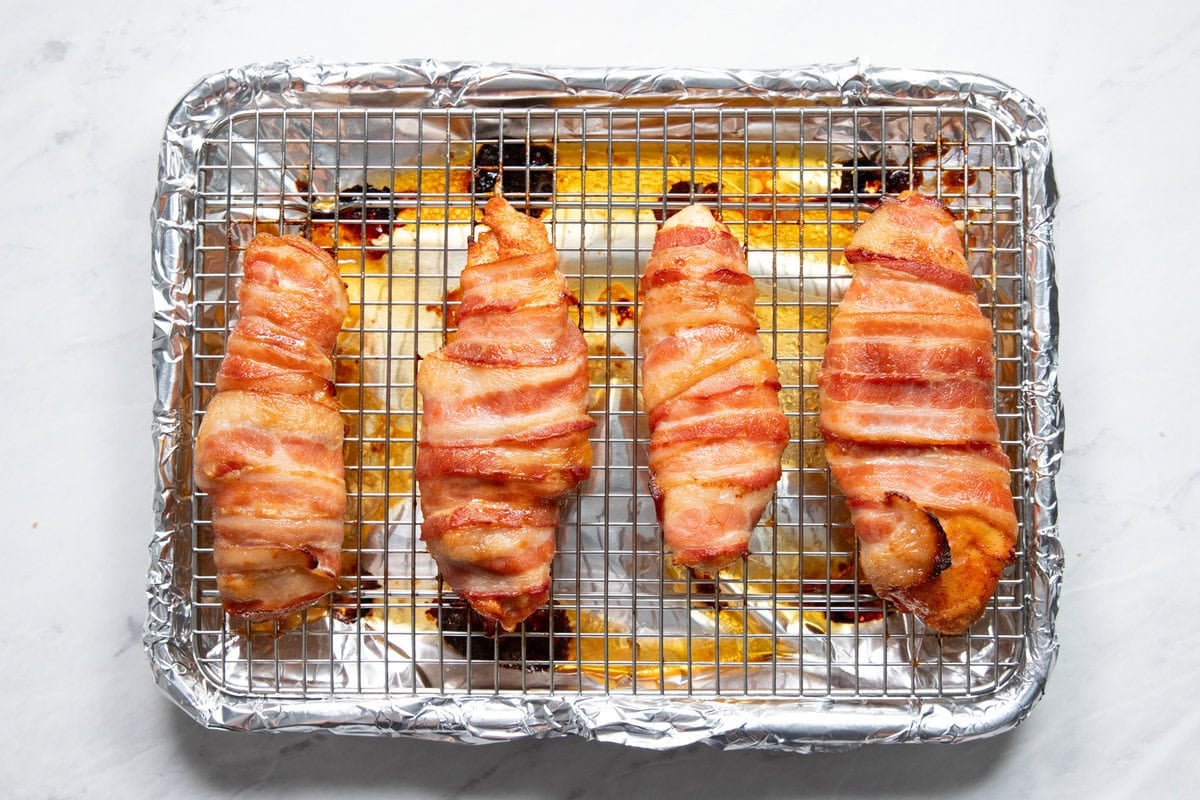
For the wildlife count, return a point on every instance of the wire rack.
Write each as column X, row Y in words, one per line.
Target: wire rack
column 393, row 193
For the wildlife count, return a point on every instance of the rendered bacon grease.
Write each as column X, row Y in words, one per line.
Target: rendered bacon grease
column 269, row 450
column 906, row 397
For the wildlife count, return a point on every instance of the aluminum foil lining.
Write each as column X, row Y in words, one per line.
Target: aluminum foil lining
column 474, row 701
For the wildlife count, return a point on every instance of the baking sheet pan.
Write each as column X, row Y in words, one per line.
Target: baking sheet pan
column 780, row 652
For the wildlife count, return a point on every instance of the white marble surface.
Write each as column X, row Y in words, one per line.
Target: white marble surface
column 86, row 88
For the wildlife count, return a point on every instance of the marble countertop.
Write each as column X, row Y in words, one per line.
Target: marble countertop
column 88, row 89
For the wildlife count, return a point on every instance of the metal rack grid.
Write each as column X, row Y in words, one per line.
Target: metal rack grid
column 784, row 624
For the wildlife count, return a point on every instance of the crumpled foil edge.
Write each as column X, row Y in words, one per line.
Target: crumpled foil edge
column 649, row 721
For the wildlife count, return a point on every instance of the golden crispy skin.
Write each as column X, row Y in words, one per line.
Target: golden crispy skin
column 906, row 390
column 269, row 450
column 716, row 429
column 505, row 425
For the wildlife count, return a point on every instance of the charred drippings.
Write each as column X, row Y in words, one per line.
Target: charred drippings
column 349, row 605
column 373, row 208
column 932, row 152
column 680, row 195
column 870, row 177
column 869, row 607
column 706, row 592
column 525, row 173
column 953, row 179
column 533, row 647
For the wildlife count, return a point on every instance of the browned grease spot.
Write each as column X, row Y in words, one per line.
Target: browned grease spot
column 843, row 574
column 348, row 604
column 706, row 591
column 932, row 152
column 954, row 179
column 617, row 301
column 875, row 176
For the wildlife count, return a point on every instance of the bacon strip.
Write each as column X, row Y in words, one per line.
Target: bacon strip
column 505, row 425
column 712, row 397
column 907, row 414
column 269, row 450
